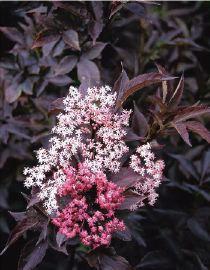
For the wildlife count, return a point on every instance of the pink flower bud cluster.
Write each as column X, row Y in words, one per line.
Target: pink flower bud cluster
column 90, row 212
column 151, row 170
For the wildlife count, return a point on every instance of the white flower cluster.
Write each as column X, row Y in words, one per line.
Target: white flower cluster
column 151, row 170
column 89, row 128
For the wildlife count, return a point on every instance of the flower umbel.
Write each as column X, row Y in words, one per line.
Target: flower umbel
column 74, row 175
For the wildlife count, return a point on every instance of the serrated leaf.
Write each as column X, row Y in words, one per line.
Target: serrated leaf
column 140, row 82
column 199, row 128
column 182, row 130
column 182, row 114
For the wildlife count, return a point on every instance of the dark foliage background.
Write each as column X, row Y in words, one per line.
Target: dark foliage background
column 79, row 42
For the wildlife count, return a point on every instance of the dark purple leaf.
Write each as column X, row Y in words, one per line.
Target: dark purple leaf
column 26, row 87
column 205, row 163
column 60, row 248
column 12, row 92
column 56, row 106
column 199, row 128
column 60, row 80
column 33, row 200
column 13, row 34
column 94, row 51
column 106, row 260
column 30, row 258
column 139, row 122
column 95, row 28
column 166, row 85
column 198, row 230
column 41, row 87
column 177, row 95
column 71, row 38
column 126, row 177
column 20, row 228
column 97, row 7
column 113, row 262
column 130, row 200
column 66, row 65
column 59, row 48
column 60, row 239
column 88, row 72
column 120, row 83
column 182, row 130
column 47, row 48
column 186, row 165
column 43, row 40
column 18, row 216
column 4, row 134
column 131, row 136
column 78, row 10
column 44, row 231
column 154, row 260
column 190, row 112
column 115, row 6
column 140, row 82
column 123, row 235
column 136, row 9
